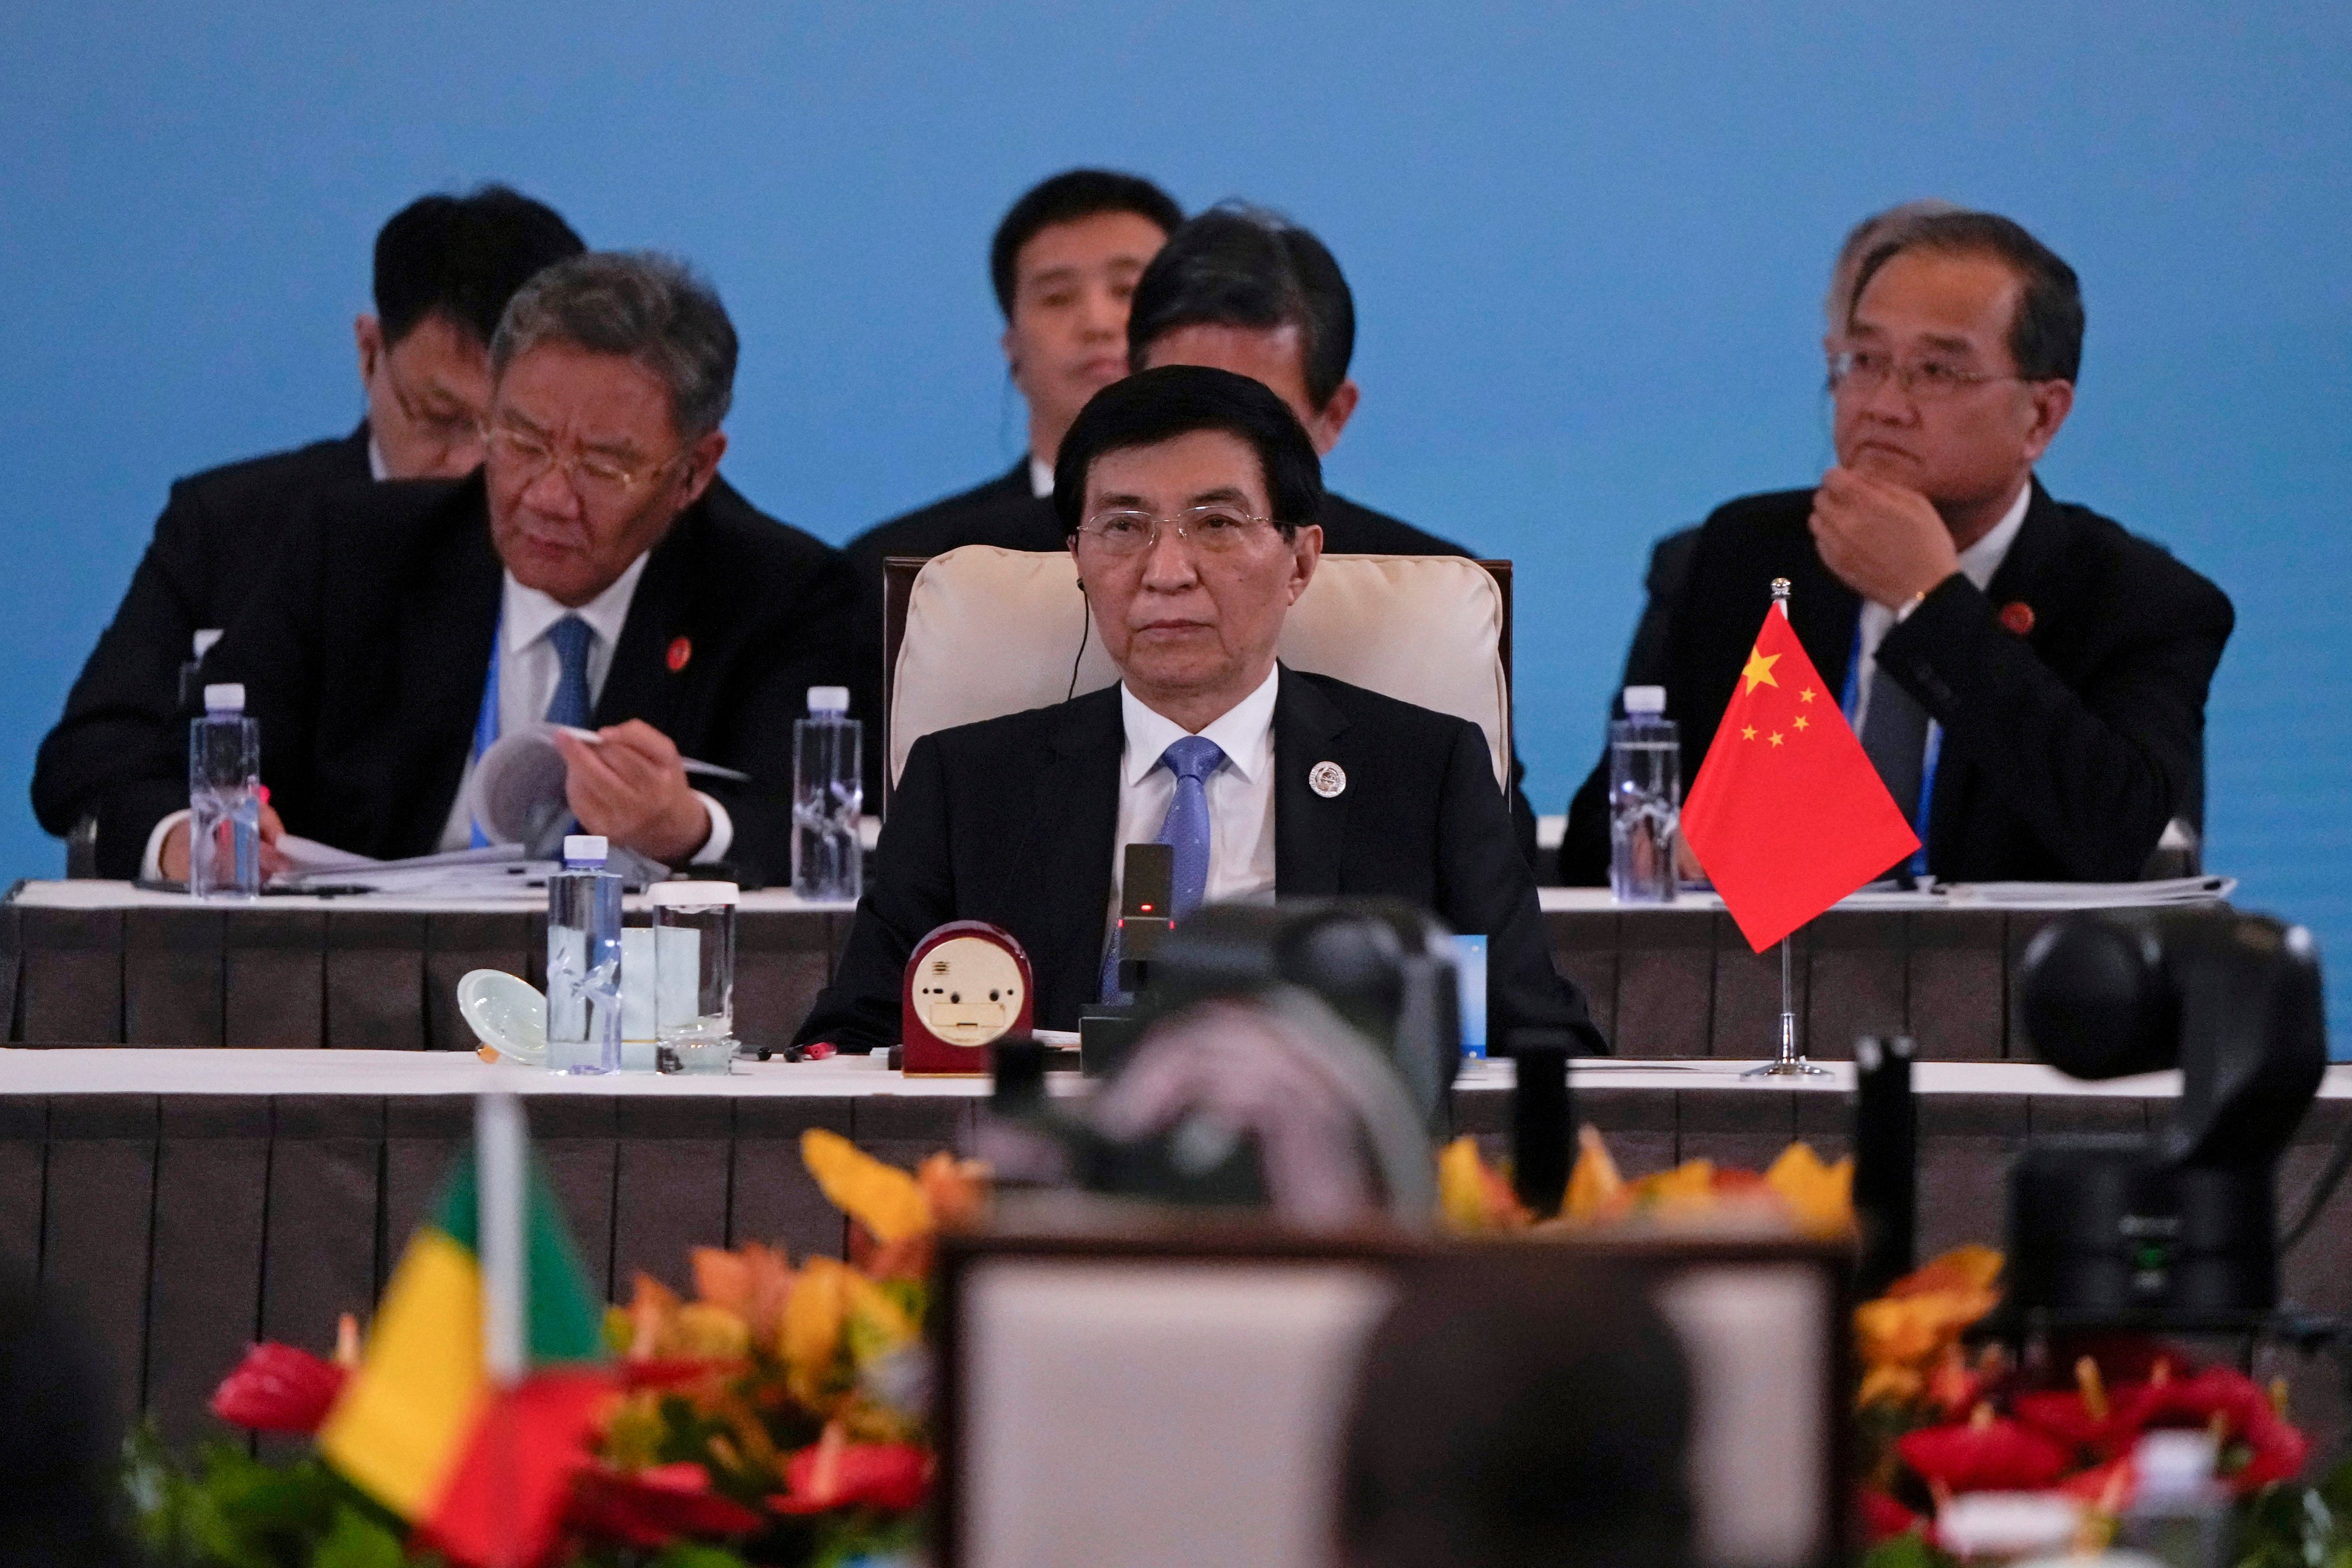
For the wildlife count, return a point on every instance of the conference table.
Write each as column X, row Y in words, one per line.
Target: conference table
column 96, row 963
column 188, row 1202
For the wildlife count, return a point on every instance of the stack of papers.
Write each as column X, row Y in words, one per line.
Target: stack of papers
column 2095, row 895
column 499, row 870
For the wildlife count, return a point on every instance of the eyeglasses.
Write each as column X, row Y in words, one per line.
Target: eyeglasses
column 1929, row 380
column 444, row 431
column 1212, row 530
column 592, row 473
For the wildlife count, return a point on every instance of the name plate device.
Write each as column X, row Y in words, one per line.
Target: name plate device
column 968, row 986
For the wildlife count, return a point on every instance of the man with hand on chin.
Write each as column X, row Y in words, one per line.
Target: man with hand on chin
column 594, row 573
column 1187, row 496
column 2028, row 678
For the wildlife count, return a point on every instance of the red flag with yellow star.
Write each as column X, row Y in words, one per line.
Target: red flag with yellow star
column 1788, row 816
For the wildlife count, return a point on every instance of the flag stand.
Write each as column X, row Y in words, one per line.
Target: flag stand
column 1790, row 1062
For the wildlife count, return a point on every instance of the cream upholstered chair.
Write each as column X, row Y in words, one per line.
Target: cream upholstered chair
column 979, row 632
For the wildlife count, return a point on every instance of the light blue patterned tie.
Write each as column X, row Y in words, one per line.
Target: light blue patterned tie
column 1185, row 831
column 570, row 638
column 1185, row 828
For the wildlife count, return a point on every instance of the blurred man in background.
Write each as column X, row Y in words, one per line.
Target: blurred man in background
column 1063, row 264
column 445, row 268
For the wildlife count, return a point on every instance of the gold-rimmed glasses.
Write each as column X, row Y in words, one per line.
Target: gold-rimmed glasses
column 590, row 472
column 1212, row 530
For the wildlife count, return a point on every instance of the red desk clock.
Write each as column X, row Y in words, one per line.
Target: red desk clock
column 967, row 986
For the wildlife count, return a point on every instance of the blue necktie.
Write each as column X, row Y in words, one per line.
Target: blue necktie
column 571, row 638
column 1185, row 829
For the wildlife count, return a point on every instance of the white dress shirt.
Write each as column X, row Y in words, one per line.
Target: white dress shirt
column 1240, row 793
column 1041, row 477
column 1978, row 562
column 529, row 670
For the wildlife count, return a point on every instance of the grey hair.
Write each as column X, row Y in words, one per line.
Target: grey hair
column 1892, row 227
column 645, row 306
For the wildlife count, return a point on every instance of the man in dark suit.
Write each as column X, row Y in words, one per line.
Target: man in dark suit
column 2029, row 678
column 1584, row 845
column 1248, row 290
column 595, row 571
column 1063, row 264
column 445, row 268
column 1185, row 492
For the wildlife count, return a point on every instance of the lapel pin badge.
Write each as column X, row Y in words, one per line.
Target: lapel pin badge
column 2017, row 617
column 1327, row 779
column 680, row 650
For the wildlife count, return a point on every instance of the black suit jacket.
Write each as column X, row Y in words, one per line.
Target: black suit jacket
column 1012, row 821
column 1583, row 858
column 1004, row 513
column 363, row 657
column 2066, row 749
column 217, row 533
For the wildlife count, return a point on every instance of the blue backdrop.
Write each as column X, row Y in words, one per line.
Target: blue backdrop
column 1588, row 246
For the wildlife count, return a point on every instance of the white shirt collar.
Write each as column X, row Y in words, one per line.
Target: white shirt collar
column 529, row 612
column 1245, row 732
column 1979, row 560
column 376, row 468
column 1041, row 477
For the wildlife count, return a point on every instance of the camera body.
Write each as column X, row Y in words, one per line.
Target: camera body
column 2178, row 1226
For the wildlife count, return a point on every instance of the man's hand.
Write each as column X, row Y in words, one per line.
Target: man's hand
column 172, row 859
column 1883, row 542
column 632, row 789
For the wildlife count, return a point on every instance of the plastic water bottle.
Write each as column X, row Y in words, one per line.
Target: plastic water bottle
column 1646, row 796
column 225, row 798
column 584, row 960
column 828, row 797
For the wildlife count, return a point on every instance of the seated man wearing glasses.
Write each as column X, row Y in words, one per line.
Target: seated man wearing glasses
column 1186, row 494
column 595, row 571
column 445, row 268
column 2029, row 678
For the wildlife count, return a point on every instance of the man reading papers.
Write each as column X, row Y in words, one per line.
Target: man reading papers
column 595, row 571
column 1185, row 493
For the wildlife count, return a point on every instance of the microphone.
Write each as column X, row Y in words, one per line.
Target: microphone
column 1146, row 914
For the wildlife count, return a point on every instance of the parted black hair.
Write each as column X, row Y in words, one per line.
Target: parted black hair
column 1066, row 198
column 1237, row 265
column 2046, row 337
column 1158, row 406
column 464, row 257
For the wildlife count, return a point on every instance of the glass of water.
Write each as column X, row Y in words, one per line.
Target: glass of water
column 694, row 965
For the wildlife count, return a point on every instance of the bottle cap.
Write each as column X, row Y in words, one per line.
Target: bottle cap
column 201, row 643
column 1645, row 699
column 583, row 849
column 829, row 700
column 693, row 895
column 226, row 698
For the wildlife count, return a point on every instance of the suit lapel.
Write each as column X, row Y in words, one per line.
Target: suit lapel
column 640, row 683
column 445, row 660
column 1310, row 830
column 2029, row 571
column 1074, row 818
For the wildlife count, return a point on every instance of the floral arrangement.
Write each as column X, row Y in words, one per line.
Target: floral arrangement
column 1797, row 1192
column 774, row 1417
column 1939, row 1419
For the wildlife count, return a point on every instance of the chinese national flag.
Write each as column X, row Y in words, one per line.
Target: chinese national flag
column 1788, row 816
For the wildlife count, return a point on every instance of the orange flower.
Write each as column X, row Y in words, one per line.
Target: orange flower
column 1818, row 1197
column 1595, row 1190
column 883, row 1198
column 1473, row 1196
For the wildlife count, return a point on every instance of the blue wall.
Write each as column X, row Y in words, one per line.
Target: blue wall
column 1588, row 246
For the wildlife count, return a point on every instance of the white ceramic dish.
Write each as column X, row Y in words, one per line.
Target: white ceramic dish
column 507, row 1013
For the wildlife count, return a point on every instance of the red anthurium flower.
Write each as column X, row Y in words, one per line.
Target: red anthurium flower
column 2071, row 1418
column 833, row 1472
column 2106, row 1487
column 672, row 1371
column 1988, row 1454
column 653, row 1507
column 277, row 1388
column 1883, row 1518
